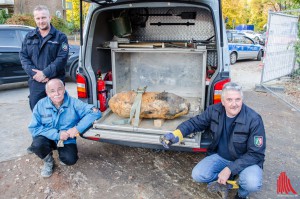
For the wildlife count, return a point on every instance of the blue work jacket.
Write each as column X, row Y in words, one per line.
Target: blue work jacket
column 48, row 121
column 247, row 141
column 49, row 55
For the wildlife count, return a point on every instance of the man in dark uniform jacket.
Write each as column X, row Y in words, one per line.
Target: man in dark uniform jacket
column 44, row 55
column 238, row 145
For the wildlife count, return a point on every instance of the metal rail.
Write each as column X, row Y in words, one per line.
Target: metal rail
column 269, row 90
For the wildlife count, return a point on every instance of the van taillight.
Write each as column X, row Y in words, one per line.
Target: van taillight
column 218, row 90
column 81, row 86
column 202, row 150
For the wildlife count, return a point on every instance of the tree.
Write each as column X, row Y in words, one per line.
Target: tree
column 253, row 12
column 73, row 15
column 258, row 14
column 235, row 12
column 3, row 16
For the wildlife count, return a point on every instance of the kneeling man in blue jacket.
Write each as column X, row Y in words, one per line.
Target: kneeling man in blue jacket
column 238, row 142
column 59, row 118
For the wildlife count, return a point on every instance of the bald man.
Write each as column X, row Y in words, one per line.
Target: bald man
column 59, row 118
column 44, row 55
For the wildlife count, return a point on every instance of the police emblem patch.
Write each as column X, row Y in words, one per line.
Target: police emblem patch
column 64, row 46
column 258, row 141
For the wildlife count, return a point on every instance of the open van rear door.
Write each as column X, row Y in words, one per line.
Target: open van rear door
column 101, row 2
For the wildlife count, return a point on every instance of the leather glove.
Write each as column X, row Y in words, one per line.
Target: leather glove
column 170, row 138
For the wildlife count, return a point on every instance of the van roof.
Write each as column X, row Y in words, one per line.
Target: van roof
column 119, row 1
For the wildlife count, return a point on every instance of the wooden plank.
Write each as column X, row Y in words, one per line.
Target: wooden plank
column 158, row 122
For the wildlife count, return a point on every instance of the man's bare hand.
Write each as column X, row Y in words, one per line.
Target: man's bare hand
column 63, row 135
column 224, row 175
column 45, row 80
column 73, row 132
column 39, row 76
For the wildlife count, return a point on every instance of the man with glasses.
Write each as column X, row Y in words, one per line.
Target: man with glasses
column 238, row 144
column 59, row 118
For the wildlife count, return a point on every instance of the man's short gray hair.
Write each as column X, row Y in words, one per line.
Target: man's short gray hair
column 51, row 80
column 231, row 86
column 41, row 7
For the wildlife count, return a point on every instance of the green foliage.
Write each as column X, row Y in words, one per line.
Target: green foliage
column 3, row 16
column 28, row 20
column 73, row 15
column 60, row 24
column 296, row 73
column 297, row 47
column 258, row 14
column 235, row 12
column 254, row 12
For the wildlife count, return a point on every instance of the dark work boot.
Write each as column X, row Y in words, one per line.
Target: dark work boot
column 30, row 150
column 47, row 169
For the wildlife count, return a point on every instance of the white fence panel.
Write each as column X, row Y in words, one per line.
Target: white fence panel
column 279, row 58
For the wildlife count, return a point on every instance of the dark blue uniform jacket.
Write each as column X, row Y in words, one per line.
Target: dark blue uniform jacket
column 50, row 55
column 247, row 142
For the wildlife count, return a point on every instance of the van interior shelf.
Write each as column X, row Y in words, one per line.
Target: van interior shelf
column 175, row 44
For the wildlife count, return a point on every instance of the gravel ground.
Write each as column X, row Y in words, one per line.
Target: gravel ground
column 112, row 171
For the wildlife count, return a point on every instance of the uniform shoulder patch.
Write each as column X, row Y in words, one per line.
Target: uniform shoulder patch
column 64, row 46
column 258, row 141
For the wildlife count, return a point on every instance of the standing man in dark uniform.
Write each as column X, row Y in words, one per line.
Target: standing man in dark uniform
column 44, row 55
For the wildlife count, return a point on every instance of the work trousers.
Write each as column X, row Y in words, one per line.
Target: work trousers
column 42, row 146
column 207, row 170
column 36, row 92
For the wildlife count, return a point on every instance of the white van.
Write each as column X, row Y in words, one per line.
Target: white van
column 178, row 47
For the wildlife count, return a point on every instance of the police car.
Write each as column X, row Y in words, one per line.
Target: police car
column 242, row 47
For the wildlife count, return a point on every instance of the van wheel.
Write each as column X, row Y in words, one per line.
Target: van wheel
column 233, row 58
column 74, row 72
column 259, row 55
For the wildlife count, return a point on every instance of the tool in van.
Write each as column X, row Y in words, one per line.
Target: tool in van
column 183, row 15
column 222, row 190
column 172, row 24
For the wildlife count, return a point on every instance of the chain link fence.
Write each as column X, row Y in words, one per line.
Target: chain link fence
column 280, row 57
